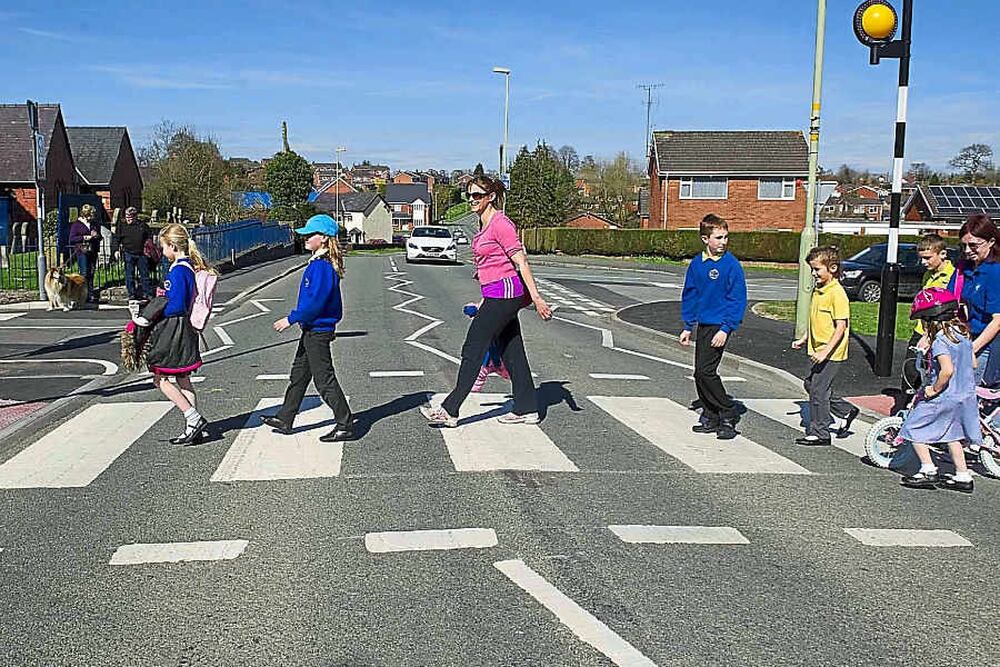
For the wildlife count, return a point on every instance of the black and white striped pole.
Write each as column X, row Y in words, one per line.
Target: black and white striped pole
column 875, row 25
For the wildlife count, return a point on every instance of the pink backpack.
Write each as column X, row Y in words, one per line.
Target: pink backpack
column 205, row 284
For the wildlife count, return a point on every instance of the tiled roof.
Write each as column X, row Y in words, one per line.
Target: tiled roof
column 95, row 151
column 406, row 193
column 15, row 139
column 731, row 152
column 352, row 202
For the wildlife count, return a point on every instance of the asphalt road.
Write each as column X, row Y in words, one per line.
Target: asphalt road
column 305, row 578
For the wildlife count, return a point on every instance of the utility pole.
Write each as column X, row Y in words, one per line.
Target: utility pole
column 38, row 154
column 336, row 185
column 808, row 238
column 649, row 88
column 506, row 117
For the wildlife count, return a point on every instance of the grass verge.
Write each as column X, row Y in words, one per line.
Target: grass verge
column 864, row 316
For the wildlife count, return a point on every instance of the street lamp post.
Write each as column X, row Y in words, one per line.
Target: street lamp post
column 874, row 25
column 506, row 116
column 336, row 185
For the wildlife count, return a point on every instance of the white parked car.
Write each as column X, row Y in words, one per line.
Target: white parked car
column 431, row 242
column 460, row 237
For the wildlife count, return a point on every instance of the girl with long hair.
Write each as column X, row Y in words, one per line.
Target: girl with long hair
column 980, row 292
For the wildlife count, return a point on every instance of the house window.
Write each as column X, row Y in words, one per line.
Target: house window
column 776, row 188
column 705, row 187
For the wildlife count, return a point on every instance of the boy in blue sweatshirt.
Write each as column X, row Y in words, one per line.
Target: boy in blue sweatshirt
column 317, row 312
column 714, row 299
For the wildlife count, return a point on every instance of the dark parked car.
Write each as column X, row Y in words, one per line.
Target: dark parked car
column 861, row 275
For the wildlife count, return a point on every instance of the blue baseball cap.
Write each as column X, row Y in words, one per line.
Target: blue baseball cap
column 320, row 224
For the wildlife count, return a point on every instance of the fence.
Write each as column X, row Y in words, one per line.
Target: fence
column 219, row 244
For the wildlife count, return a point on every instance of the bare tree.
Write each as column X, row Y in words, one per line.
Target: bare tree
column 973, row 161
column 569, row 158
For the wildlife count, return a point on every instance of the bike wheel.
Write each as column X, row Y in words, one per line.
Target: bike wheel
column 988, row 455
column 880, row 443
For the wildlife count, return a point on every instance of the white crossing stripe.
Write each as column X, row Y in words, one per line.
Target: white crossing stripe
column 795, row 413
column 636, row 534
column 903, row 537
column 273, row 376
column 9, row 316
column 80, row 449
column 430, row 540
column 581, row 622
column 667, row 425
column 482, row 443
column 618, row 376
column 724, row 378
column 177, row 552
column 260, row 453
column 396, row 374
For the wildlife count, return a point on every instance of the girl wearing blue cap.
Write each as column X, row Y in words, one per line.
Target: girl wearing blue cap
column 317, row 312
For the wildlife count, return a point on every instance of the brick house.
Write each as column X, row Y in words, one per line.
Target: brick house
column 588, row 220
column 365, row 216
column 410, row 204
column 753, row 179
column 16, row 168
column 324, row 172
column 368, row 176
column 106, row 165
column 412, row 177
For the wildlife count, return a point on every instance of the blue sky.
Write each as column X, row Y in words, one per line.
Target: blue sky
column 410, row 84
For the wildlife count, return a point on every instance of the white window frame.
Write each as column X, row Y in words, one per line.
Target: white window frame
column 689, row 182
column 786, row 183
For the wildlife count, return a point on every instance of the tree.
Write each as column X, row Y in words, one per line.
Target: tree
column 445, row 196
column 846, row 174
column 919, row 172
column 973, row 161
column 479, row 171
column 288, row 178
column 614, row 190
column 569, row 158
column 542, row 189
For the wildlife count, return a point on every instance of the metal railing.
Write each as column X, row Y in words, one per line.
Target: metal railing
column 230, row 240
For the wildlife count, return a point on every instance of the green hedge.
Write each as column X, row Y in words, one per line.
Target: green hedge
column 751, row 246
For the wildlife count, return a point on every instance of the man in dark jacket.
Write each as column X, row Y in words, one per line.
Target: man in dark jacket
column 132, row 237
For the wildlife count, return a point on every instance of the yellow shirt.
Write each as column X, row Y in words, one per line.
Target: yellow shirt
column 939, row 278
column 829, row 304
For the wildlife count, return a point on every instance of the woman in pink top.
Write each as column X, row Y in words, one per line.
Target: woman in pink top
column 505, row 278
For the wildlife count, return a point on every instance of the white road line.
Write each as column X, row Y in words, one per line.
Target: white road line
column 50, row 327
column 9, row 316
column 902, row 537
column 618, row 376
column 396, row 374
column 259, row 453
column 110, row 368
column 794, row 413
column 435, row 351
column 273, row 376
column 667, row 425
column 668, row 285
column 636, row 534
column 430, row 540
column 591, row 313
column 650, row 357
column 607, row 339
column 581, row 622
column 724, row 378
column 421, row 331
column 223, row 336
column 177, row 552
column 215, row 350
column 482, row 443
column 80, row 449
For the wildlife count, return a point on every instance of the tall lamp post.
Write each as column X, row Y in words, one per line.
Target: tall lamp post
column 336, row 186
column 506, row 117
column 875, row 24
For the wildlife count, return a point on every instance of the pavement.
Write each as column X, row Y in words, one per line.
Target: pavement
column 607, row 534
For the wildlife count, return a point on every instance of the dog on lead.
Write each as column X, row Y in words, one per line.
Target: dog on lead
column 65, row 290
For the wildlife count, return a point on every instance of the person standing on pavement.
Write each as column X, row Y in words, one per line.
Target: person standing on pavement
column 933, row 253
column 980, row 293
column 85, row 239
column 317, row 312
column 505, row 284
column 131, row 238
column 713, row 300
column 827, row 336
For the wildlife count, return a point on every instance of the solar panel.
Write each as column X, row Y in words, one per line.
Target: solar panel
column 966, row 199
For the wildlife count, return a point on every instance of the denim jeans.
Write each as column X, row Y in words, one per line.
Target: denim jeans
column 133, row 262
column 982, row 359
column 86, row 264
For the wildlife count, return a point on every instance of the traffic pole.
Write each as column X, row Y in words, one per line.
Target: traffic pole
column 808, row 238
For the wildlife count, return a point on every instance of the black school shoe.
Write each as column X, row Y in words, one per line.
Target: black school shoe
column 339, row 434
column 813, row 441
column 192, row 437
column 726, row 430
column 707, row 427
column 848, row 420
column 922, row 480
column 951, row 484
column 278, row 425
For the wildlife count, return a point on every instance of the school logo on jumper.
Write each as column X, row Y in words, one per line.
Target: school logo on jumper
column 713, row 274
column 166, row 285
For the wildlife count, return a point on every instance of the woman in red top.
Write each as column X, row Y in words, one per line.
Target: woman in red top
column 505, row 278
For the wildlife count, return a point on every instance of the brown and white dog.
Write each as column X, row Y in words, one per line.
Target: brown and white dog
column 65, row 290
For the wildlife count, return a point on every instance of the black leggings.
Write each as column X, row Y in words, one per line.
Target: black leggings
column 496, row 319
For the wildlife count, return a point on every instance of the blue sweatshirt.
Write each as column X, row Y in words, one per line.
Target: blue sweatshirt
column 715, row 293
column 180, row 288
column 319, row 307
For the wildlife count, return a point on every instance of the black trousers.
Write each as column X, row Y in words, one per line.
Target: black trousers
column 497, row 319
column 313, row 361
column 707, row 383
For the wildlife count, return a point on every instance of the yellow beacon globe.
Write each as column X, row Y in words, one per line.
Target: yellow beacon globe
column 878, row 21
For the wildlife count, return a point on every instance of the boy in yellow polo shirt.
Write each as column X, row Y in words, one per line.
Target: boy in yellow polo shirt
column 827, row 338
column 933, row 253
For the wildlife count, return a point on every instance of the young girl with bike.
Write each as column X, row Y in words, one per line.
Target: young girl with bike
column 946, row 409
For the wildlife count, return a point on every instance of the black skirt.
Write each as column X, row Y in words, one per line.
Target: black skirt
column 173, row 347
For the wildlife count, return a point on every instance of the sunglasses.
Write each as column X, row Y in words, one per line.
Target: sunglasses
column 975, row 246
column 476, row 196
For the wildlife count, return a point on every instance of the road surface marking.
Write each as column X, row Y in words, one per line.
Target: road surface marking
column 668, row 285
column 430, row 540
column 81, row 448
column 9, row 316
column 679, row 534
column 396, row 374
column 273, row 376
column 223, row 336
column 482, row 443
column 902, row 537
column 724, row 378
column 795, row 414
column 422, row 330
column 581, row 622
column 435, row 351
column 177, row 552
column 260, row 453
column 667, row 425
column 618, row 376
column 110, row 368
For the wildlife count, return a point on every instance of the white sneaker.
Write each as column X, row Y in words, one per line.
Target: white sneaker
column 438, row 417
column 511, row 418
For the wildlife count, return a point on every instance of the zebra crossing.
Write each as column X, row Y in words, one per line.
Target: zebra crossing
column 78, row 451
column 558, row 295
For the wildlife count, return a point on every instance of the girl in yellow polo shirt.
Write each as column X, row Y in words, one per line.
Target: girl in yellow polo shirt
column 827, row 338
